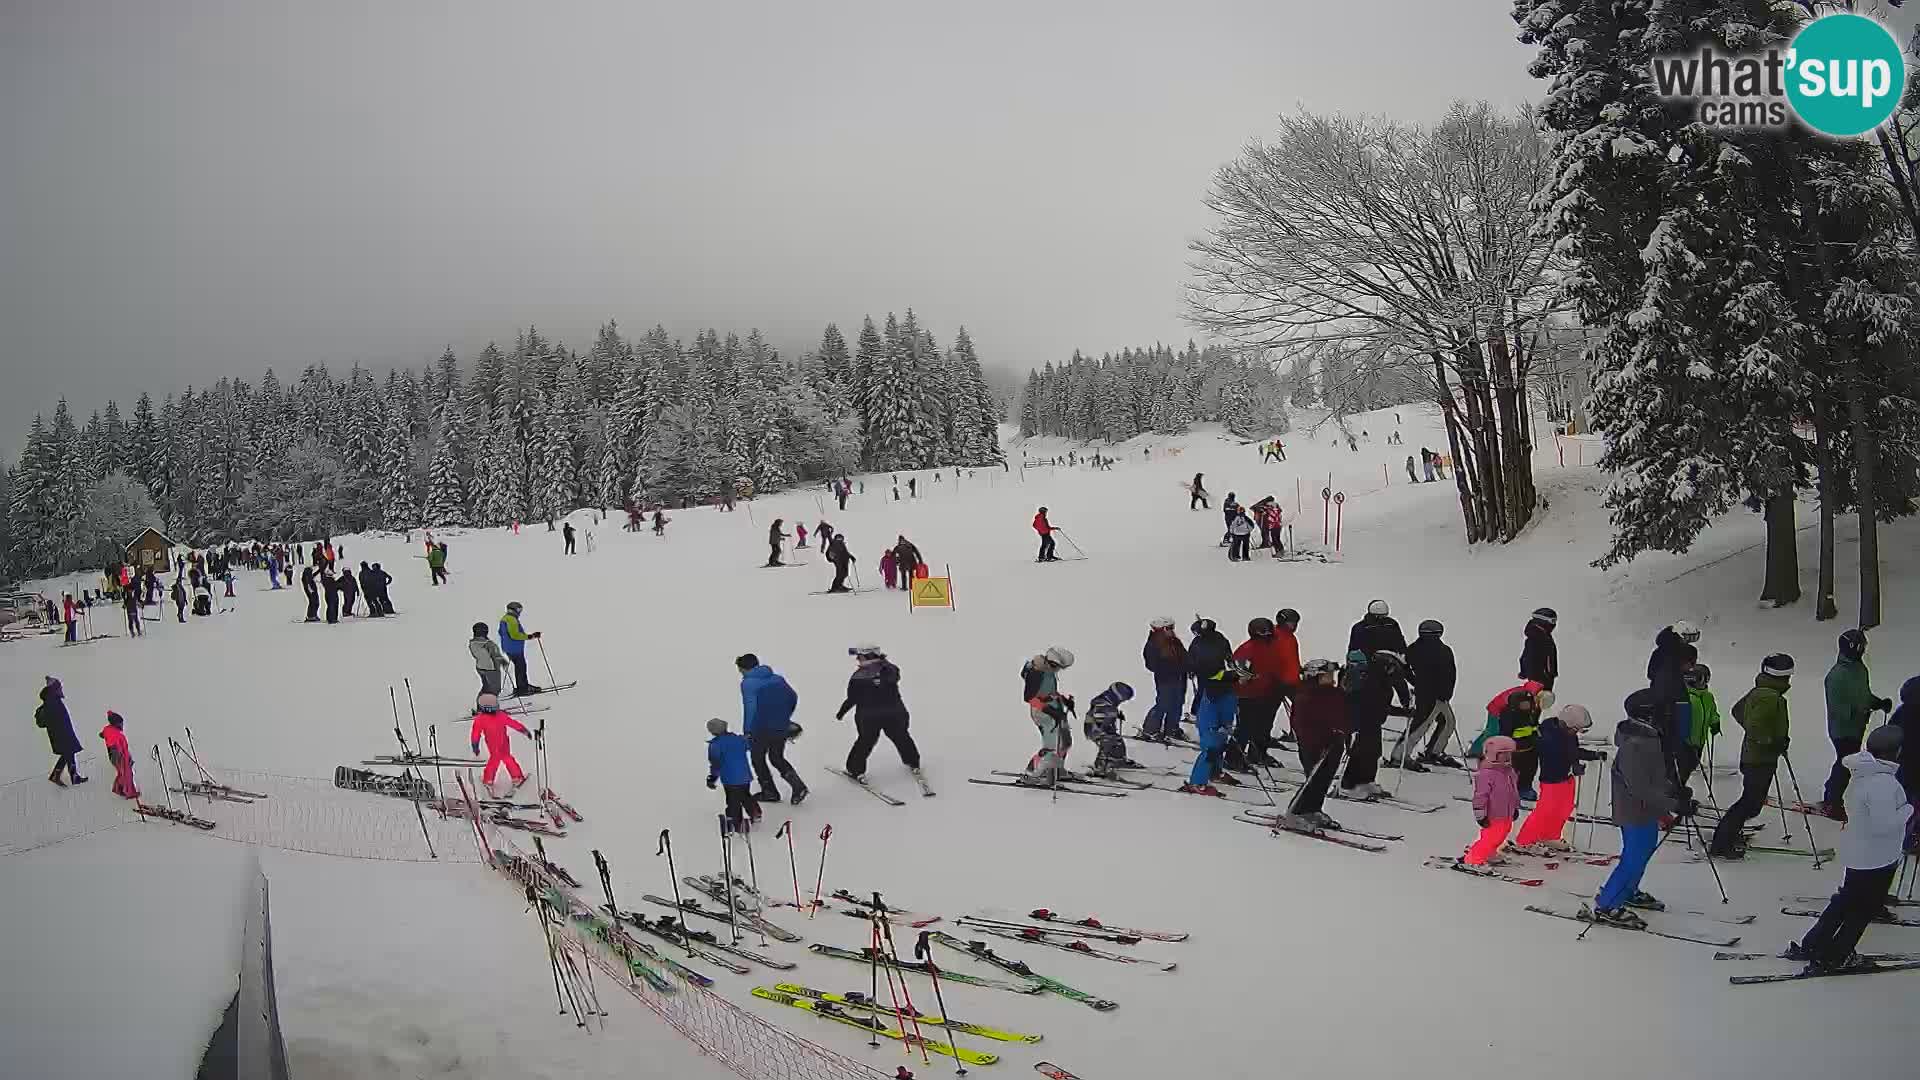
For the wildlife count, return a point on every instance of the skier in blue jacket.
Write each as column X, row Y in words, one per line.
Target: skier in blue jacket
column 727, row 767
column 767, row 702
column 513, row 642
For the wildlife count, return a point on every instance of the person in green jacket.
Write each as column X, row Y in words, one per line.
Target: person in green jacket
column 1703, row 719
column 1763, row 713
column 1850, row 703
column 437, row 563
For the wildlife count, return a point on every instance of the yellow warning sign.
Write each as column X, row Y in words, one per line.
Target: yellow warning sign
column 933, row 592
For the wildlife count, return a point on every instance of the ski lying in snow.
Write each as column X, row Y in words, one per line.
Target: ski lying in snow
column 424, row 760
column 207, row 788
column 210, row 796
column 547, row 795
column 1066, row 930
column 716, row 888
column 861, row 783
column 626, row 946
column 979, row 951
column 400, row 787
column 1038, row 936
column 1171, row 741
column 1312, row 834
column 1090, row 781
column 1338, row 829
column 705, row 945
column 1756, row 849
column 1724, row 941
column 866, row 909
column 865, row 956
column 1053, row 1072
column 1791, row 976
column 857, row 1000
column 1878, row 957
column 1896, row 920
column 1046, row 916
column 1064, row 788
column 1443, row 862
column 829, row 1011
column 843, row 592
column 1388, row 800
column 1888, row 902
column 168, row 813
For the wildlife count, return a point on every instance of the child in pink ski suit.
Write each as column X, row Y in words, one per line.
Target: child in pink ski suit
column 887, row 563
column 492, row 725
column 121, row 755
column 1496, row 800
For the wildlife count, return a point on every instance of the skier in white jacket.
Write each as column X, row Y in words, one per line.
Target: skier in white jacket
column 1870, row 848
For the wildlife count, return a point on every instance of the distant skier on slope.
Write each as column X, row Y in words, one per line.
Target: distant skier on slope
column 1198, row 493
column 775, row 534
column 1046, row 530
column 906, row 560
column 566, row 531
column 842, row 561
column 1049, row 708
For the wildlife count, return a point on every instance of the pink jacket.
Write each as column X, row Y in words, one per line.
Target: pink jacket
column 493, row 727
column 1496, row 793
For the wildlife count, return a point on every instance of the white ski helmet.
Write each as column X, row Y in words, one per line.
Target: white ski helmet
column 487, row 702
column 1162, row 622
column 1686, row 630
column 1378, row 607
column 1059, row 657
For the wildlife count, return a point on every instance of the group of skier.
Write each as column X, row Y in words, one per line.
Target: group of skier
column 343, row 588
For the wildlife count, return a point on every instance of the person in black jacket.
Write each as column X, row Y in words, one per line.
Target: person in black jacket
column 1378, row 680
column 906, row 559
column 775, row 534
column 1166, row 658
column 349, row 590
column 1673, row 656
column 331, row 585
column 1377, row 631
column 1540, row 656
column 842, row 560
column 1215, row 706
column 307, row 584
column 873, row 696
column 52, row 717
column 1430, row 664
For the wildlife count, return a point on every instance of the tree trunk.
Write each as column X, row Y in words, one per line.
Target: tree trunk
column 1866, row 451
column 1443, row 395
column 1783, row 552
column 1824, row 607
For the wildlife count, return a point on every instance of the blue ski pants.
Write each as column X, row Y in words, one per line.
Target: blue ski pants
column 1169, row 703
column 1214, row 718
column 1636, row 847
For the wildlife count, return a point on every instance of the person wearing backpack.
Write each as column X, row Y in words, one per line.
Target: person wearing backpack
column 1762, row 714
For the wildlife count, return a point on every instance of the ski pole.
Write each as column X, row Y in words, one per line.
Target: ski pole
column 174, row 749
column 753, row 875
column 1582, row 936
column 548, row 664
column 1077, row 550
column 1805, row 820
column 1780, row 799
column 873, row 976
column 679, row 905
column 726, row 867
column 439, row 779
column 924, row 954
column 1708, row 850
column 193, row 755
column 411, row 711
column 826, row 833
column 893, row 954
column 163, row 776
column 793, row 865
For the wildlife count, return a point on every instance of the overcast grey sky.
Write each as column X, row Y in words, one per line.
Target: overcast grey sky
column 196, row 189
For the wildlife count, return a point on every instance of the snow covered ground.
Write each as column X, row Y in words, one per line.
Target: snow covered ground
column 1305, row 956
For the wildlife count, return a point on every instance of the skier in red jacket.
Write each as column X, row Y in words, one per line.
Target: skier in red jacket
column 1045, row 528
column 1276, row 672
column 491, row 724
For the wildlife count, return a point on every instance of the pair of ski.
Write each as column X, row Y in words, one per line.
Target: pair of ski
column 979, row 951
column 168, row 813
column 1386, row 800
column 1822, row 853
column 744, row 912
column 1889, row 901
column 1065, row 787
column 1877, row 957
column 423, row 761
column 1492, row 873
column 866, row 1021
column 1034, row 935
column 926, row 790
column 705, row 945
column 857, row 1000
column 1656, row 925
column 1342, row 836
column 210, row 791
column 1064, row 930
column 865, row 956
column 1733, row 919
column 631, row 949
column 1894, row 920
column 1807, row 809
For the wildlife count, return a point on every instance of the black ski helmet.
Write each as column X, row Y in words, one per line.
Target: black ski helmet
column 1884, row 742
column 1546, row 615
column 1641, row 704
column 1778, row 664
column 1431, row 628
column 1121, row 691
column 479, row 629
column 1853, row 644
column 1201, row 626
column 1286, row 616
column 1260, row 628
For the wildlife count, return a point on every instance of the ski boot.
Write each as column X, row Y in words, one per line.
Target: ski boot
column 1445, row 761
column 1795, row 952
column 1202, row 789
column 1413, row 765
column 1555, row 846
column 1029, row 780
column 1620, row 917
column 1229, row 779
column 1645, row 901
column 1482, row 870
column 1853, row 964
column 1323, row 820
column 799, row 796
column 1300, row 823
column 1528, row 794
column 766, row 796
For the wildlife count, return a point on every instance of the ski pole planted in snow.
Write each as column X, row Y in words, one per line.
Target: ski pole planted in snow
column 1800, row 800
column 923, row 953
column 726, row 867
column 753, row 879
column 1707, row 849
column 793, row 865
column 679, row 905
column 826, row 833
column 548, row 664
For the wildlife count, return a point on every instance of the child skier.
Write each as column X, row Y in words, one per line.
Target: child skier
column 1703, row 715
column 121, row 755
column 1520, row 721
column 728, row 767
column 1320, row 726
column 799, row 535
column 1102, row 726
column 1496, row 802
column 1498, row 705
column 1643, row 793
column 488, row 660
column 1561, row 761
column 52, row 718
column 886, row 568
column 491, row 724
column 1049, row 708
column 659, row 522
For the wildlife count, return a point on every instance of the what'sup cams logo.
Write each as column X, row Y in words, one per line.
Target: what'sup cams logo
column 1841, row 75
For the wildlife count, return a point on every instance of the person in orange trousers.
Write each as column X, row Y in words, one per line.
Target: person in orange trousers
column 1562, row 762
column 1496, row 801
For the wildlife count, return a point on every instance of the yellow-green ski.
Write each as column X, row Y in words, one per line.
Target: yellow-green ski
column 926, row 1021
column 829, row 1011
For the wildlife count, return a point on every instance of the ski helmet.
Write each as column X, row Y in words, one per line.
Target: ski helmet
column 117, row 720
column 1499, row 750
column 1686, row 631
column 1043, row 509
column 1313, row 669
column 1202, row 626
column 716, row 726
column 794, row 731
column 513, row 607
column 1697, row 676
column 1544, row 701
column 746, row 661
column 1853, row 644
column 1161, row 622
column 1059, row 657
column 1546, row 615
column 866, row 652
column 1121, row 691
column 479, row 629
column 1641, row 705
column 1431, row 628
column 487, row 702
column 1378, row 607
column 1260, row 628
column 1575, row 718
column 1884, row 742
column 1779, row 664
column 1522, row 696
column 1287, row 617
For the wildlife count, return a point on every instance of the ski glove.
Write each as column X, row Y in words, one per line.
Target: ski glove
column 1883, row 704
column 1482, row 821
column 475, row 747
column 710, row 782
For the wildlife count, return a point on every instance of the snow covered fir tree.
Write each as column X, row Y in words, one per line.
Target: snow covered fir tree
column 523, row 434
column 1153, row 389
